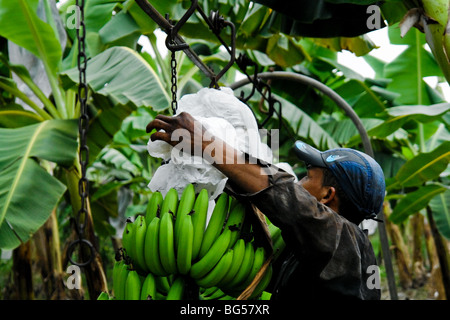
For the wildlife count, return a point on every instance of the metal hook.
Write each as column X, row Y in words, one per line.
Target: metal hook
column 173, row 31
column 232, row 52
column 243, row 62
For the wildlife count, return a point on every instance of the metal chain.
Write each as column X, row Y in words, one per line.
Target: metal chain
column 174, row 88
column 83, row 124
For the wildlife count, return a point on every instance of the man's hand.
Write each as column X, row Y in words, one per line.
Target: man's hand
column 176, row 129
column 184, row 132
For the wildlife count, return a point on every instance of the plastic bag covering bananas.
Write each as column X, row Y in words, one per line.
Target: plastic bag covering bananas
column 173, row 240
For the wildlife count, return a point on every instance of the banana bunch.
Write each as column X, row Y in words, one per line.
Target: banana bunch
column 128, row 284
column 174, row 240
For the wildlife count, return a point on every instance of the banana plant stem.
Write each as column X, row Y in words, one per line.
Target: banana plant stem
column 19, row 94
column 38, row 92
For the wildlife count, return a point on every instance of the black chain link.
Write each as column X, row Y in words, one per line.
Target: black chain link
column 83, row 124
column 174, row 88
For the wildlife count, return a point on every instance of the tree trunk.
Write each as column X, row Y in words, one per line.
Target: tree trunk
column 48, row 258
column 94, row 272
column 436, row 285
column 442, row 253
column 417, row 267
column 22, row 274
column 400, row 251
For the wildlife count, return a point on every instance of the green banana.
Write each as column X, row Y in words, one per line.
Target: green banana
column 176, row 291
column 151, row 248
column 166, row 244
column 238, row 257
column 212, row 257
column 148, row 290
column 140, row 231
column 162, row 285
column 103, row 296
column 263, row 283
column 132, row 242
column 184, row 249
column 199, row 220
column 207, row 292
column 212, row 278
column 214, row 295
column 227, row 297
column 122, row 275
column 232, row 202
column 153, row 206
column 185, row 206
column 235, row 221
column 278, row 247
column 133, row 286
column 244, row 269
column 126, row 236
column 187, row 200
column 118, row 264
column 278, row 243
column 170, row 202
column 258, row 262
column 216, row 223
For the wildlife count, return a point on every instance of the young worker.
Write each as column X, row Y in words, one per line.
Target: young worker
column 327, row 255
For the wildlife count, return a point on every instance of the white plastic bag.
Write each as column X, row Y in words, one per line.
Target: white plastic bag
column 225, row 117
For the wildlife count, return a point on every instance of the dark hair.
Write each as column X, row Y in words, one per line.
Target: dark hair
column 346, row 208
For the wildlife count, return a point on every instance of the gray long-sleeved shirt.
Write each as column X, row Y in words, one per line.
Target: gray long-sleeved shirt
column 326, row 256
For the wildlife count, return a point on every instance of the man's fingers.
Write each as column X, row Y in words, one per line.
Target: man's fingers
column 158, row 124
column 160, row 135
column 164, row 118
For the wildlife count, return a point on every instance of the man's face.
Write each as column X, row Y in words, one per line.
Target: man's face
column 312, row 182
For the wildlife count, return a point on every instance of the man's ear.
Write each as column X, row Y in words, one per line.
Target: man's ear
column 330, row 195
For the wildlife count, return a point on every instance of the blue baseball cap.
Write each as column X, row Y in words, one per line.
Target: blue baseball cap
column 358, row 174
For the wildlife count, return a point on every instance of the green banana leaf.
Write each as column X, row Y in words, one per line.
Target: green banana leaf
column 121, row 81
column 121, row 30
column 440, row 206
column 423, row 167
column 284, row 51
column 15, row 117
column 398, row 116
column 20, row 24
column 28, row 193
column 415, row 201
column 342, row 131
column 306, row 127
column 419, row 63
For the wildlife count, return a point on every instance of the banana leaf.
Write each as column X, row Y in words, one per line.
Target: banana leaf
column 14, row 116
column 415, row 201
column 20, row 24
column 419, row 63
column 28, row 193
column 121, row 30
column 440, row 206
column 306, row 127
column 401, row 114
column 121, row 81
column 423, row 167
